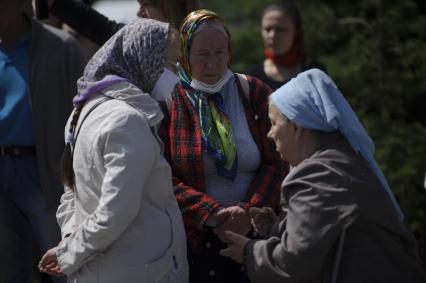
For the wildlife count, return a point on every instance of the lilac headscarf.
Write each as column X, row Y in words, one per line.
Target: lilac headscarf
column 132, row 54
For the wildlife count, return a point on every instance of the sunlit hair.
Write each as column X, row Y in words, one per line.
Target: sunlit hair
column 288, row 8
column 189, row 27
column 175, row 10
column 172, row 42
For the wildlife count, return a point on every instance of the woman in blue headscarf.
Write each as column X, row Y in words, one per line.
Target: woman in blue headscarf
column 339, row 221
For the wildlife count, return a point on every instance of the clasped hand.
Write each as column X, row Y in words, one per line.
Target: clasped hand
column 235, row 219
column 49, row 263
column 262, row 220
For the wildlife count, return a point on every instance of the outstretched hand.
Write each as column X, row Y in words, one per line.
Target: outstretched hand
column 49, row 263
column 236, row 244
column 262, row 220
column 237, row 221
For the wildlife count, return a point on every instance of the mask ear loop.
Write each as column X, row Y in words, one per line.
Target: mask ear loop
column 172, row 51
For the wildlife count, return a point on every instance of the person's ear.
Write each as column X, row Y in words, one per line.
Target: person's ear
column 298, row 131
column 142, row 13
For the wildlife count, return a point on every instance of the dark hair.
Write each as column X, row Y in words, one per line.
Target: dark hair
column 287, row 7
column 175, row 10
column 67, row 172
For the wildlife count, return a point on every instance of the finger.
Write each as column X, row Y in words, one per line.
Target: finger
column 53, row 270
column 256, row 228
column 266, row 209
column 264, row 222
column 229, row 252
column 259, row 216
column 269, row 213
column 223, row 213
column 253, row 211
column 256, row 221
column 226, row 224
column 57, row 271
column 54, row 273
column 222, row 237
column 231, row 237
column 51, row 265
column 226, row 252
column 47, row 257
column 218, row 231
column 45, row 262
column 43, row 259
column 47, row 270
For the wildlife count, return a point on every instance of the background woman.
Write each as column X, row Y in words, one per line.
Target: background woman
column 285, row 56
column 215, row 141
column 341, row 222
column 119, row 218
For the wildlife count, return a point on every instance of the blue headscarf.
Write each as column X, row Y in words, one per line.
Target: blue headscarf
column 312, row 101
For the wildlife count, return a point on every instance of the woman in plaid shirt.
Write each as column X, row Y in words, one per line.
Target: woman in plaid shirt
column 216, row 142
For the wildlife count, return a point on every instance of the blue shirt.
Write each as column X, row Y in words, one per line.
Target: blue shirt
column 16, row 125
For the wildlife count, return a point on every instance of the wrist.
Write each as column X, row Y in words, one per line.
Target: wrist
column 213, row 221
column 245, row 205
column 246, row 250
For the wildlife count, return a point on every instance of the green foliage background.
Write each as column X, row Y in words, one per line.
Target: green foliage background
column 375, row 52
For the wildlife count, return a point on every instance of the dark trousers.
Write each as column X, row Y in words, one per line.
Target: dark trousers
column 208, row 266
column 24, row 217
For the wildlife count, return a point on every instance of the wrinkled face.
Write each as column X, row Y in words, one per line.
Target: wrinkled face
column 208, row 55
column 146, row 10
column 283, row 134
column 278, row 31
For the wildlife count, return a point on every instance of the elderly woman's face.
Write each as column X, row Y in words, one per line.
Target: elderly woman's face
column 278, row 32
column 208, row 56
column 283, row 134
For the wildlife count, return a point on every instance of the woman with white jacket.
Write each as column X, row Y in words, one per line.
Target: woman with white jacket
column 119, row 218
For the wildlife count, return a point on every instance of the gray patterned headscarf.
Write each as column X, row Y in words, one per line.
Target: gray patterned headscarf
column 136, row 53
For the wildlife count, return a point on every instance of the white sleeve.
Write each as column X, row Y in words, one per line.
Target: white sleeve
column 65, row 212
column 129, row 141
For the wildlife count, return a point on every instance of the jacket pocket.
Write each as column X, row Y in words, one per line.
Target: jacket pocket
column 167, row 268
column 160, row 270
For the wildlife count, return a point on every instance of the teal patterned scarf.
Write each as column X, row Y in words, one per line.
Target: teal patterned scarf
column 216, row 128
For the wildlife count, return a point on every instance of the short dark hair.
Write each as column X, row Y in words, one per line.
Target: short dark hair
column 287, row 7
column 175, row 10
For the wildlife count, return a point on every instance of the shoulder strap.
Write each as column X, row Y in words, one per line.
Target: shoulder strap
column 169, row 102
column 106, row 98
column 244, row 84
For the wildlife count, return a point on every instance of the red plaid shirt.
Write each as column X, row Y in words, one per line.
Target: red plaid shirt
column 183, row 149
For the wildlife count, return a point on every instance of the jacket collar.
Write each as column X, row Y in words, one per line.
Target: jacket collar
column 143, row 102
